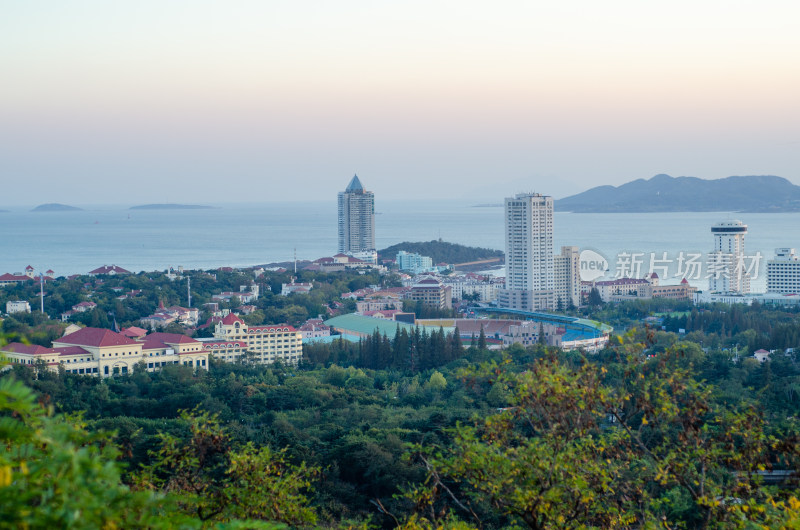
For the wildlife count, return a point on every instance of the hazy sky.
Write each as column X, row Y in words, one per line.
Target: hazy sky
column 216, row 101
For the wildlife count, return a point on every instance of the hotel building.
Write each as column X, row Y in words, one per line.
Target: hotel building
column 530, row 281
column 233, row 338
column 726, row 263
column 783, row 272
column 356, row 218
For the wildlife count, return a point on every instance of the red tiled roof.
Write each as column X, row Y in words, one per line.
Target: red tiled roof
column 231, row 319
column 105, row 269
column 163, row 340
column 30, row 349
column 71, row 350
column 13, row 278
column 134, row 332
column 95, row 337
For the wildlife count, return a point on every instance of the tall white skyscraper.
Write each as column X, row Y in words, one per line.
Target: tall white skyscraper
column 356, row 218
column 727, row 268
column 530, row 279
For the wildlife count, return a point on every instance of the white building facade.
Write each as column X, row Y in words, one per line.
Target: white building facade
column 726, row 263
column 18, row 306
column 530, row 279
column 413, row 263
column 783, row 272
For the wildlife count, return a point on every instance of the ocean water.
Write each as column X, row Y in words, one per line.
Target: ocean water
column 250, row 234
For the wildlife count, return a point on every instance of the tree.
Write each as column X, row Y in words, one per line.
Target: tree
column 572, row 451
column 54, row 474
column 217, row 482
column 594, row 298
column 482, row 340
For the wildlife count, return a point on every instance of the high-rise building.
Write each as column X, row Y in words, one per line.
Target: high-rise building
column 783, row 272
column 530, row 281
column 727, row 269
column 356, row 218
column 567, row 273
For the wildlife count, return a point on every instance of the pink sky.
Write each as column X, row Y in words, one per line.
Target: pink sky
column 463, row 99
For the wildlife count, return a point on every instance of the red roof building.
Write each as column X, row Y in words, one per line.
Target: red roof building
column 110, row 270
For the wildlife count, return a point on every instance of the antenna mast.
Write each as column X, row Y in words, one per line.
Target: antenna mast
column 41, row 291
column 189, row 289
column 295, row 260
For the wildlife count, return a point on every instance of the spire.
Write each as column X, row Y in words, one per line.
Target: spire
column 355, row 186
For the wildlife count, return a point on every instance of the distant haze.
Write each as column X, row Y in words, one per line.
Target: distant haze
column 199, row 102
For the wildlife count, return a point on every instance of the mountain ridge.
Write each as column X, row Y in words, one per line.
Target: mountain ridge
column 663, row 193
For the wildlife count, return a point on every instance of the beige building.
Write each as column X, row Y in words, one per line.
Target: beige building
column 95, row 351
column 431, row 292
column 567, row 277
column 233, row 338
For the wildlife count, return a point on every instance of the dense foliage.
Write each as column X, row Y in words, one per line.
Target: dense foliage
column 154, row 288
column 522, row 438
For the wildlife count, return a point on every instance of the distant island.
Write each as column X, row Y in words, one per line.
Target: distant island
column 663, row 193
column 56, row 207
column 171, row 207
column 442, row 252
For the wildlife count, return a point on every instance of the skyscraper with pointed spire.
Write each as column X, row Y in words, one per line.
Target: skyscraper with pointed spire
column 356, row 218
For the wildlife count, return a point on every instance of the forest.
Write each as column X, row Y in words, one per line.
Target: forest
column 652, row 432
column 441, row 251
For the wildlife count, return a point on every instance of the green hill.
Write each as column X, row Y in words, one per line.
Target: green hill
column 441, row 251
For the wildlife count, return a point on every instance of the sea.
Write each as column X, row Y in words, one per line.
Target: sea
column 248, row 234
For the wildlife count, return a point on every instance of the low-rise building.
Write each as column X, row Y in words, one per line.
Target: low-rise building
column 314, row 328
column 529, row 333
column 378, row 304
column 13, row 279
column 431, row 292
column 682, row 291
column 84, row 307
column 265, row 344
column 291, row 288
column 18, row 306
column 761, row 355
column 102, row 352
column 111, row 270
column 341, row 262
column 244, row 297
column 461, row 286
column 413, row 262
column 778, row 299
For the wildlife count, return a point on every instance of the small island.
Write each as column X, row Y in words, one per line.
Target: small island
column 171, row 207
column 56, row 207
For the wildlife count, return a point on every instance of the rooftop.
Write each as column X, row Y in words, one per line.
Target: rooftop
column 355, row 186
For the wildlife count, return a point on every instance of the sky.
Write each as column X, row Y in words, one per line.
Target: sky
column 225, row 101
